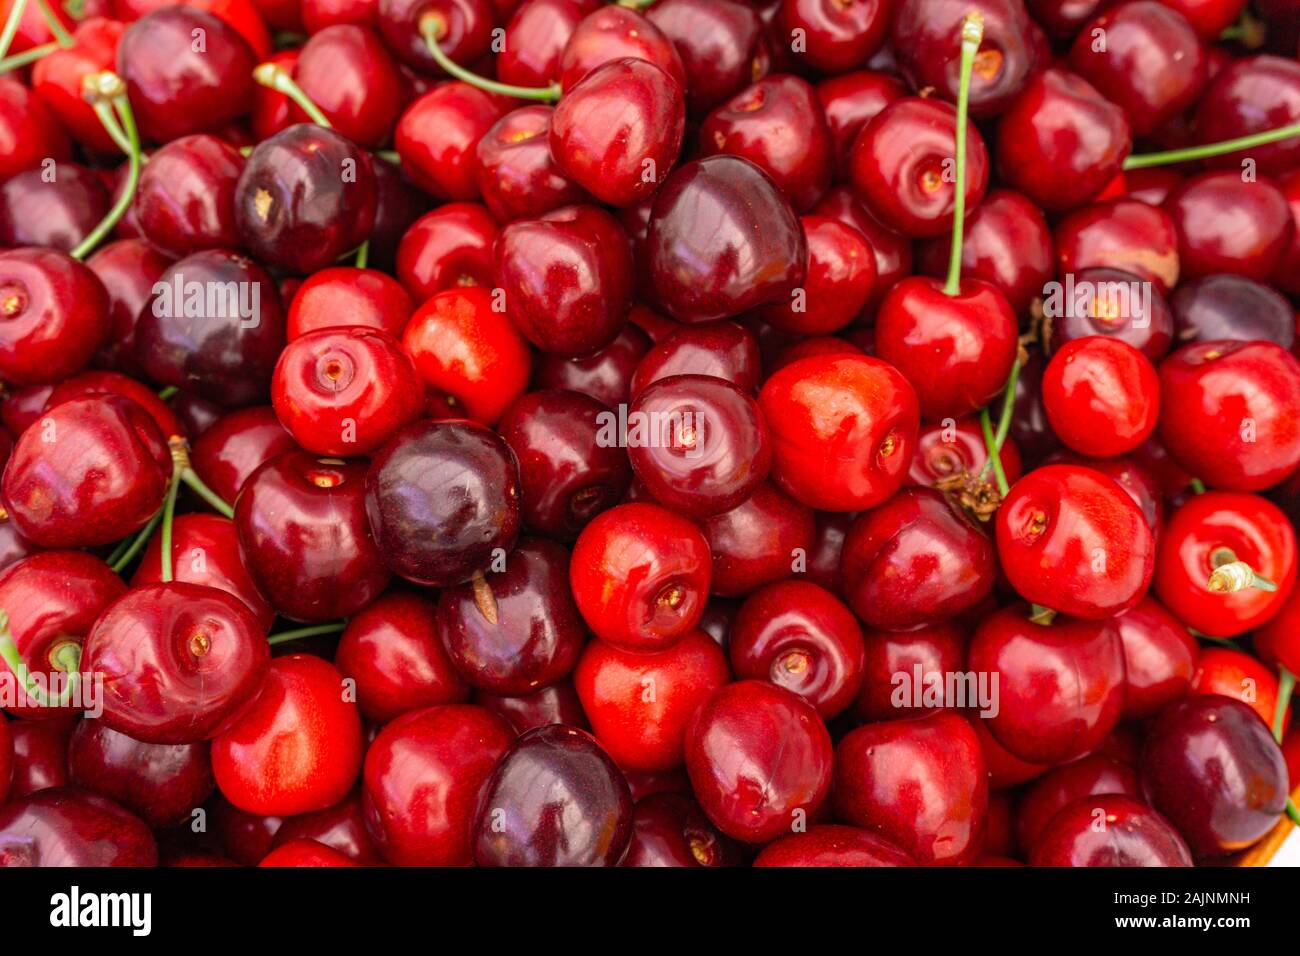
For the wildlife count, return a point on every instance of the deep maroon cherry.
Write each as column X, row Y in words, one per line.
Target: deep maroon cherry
column 1159, row 658
column 1252, row 95
column 40, row 754
column 766, row 538
column 1088, row 776
column 669, row 829
column 128, row 269
column 186, row 199
column 605, row 375
column 66, row 826
column 556, row 704
column 236, row 446
column 615, row 32
column 1231, row 307
column 515, row 170
column 1109, row 830
column 1108, row 302
column 535, row 38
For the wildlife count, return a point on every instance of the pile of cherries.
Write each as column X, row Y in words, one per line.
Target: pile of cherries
column 657, row 433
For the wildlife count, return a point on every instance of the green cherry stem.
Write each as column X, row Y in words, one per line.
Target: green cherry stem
column 994, row 442
column 991, row 445
column 1292, row 811
column 1188, row 153
column 109, row 87
column 1197, row 486
column 70, row 660
column 1285, row 688
column 363, row 254
column 134, row 545
column 637, row 4
column 28, row 56
column 180, row 464
column 11, row 26
column 432, row 28
column 61, row 36
column 191, row 479
column 108, row 119
column 285, row 637
column 972, row 33
column 275, row 77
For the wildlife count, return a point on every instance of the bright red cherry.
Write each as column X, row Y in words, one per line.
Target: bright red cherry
column 893, row 253
column 347, row 73
column 186, row 198
column 53, row 316
column 839, row 278
column 946, row 451
column 446, row 248
column 616, row 32
column 306, row 852
column 515, row 170
column 1102, row 396
column 29, row 130
column 1231, row 673
column 1120, row 234
column 535, row 38
column 437, row 137
column 1088, row 776
column 344, row 295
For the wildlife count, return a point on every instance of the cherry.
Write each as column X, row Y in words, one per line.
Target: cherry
column 423, row 776
column 29, row 130
column 893, row 253
column 442, row 498
column 841, row 271
column 918, row 783
column 6, row 759
column 303, row 535
column 438, row 134
column 306, row 853
column 1228, row 412
column 58, row 214
column 391, row 650
column 838, row 36
column 306, row 196
column 1251, row 95
column 535, row 39
column 724, row 350
column 669, row 829
column 180, row 662
column 345, row 70
column 1159, row 658
column 449, row 247
column 177, row 89
column 605, row 375
column 40, row 754
column 186, row 198
column 1061, row 141
column 1101, row 395
column 205, row 550
column 850, row 100
column 898, row 166
column 1287, row 275
column 215, row 326
column 556, row 704
column 236, row 446
column 554, row 799
column 639, row 703
column 924, row 655
column 66, row 826
column 1209, row 17
column 343, row 296
column 946, row 452
column 127, row 269
column 244, row 837
column 465, row 30
column 341, row 828
column 640, row 576
column 1120, row 234
column 723, row 240
column 297, row 748
column 1220, row 670
column 1005, row 769
column 721, row 45
column 1109, row 830
column 833, row 845
column 1260, row 231
column 398, row 204
column 1088, row 776
column 1210, row 532
column 759, row 760
column 1061, row 685
column 161, row 783
column 1109, row 302
column 1071, row 539
column 515, row 170
column 111, row 383
column 614, row 32
column 55, row 316
column 1211, row 766
column 1232, row 307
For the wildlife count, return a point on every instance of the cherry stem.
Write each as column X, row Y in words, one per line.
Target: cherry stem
column 109, row 86
column 180, row 461
column 1197, row 486
column 1285, row 688
column 432, row 27
column 1004, row 423
column 108, row 119
column 168, row 392
column 1041, row 615
column 11, row 26
column 196, row 485
column 285, row 636
column 1221, row 641
column 363, row 254
column 636, row 4
column 991, row 446
column 1228, row 575
column 972, row 33
column 134, row 545
column 1211, row 149
column 28, row 56
column 9, row 652
column 1292, row 811
column 274, row 76
column 61, row 35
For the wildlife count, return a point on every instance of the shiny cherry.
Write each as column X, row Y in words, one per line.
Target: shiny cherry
column 721, row 45
column 54, row 314
column 515, row 170
column 1109, row 830
column 1250, row 244
column 1120, row 234
column 669, row 829
column 185, row 202
column 1160, row 657
column 344, row 295
column 236, row 446
column 449, row 247
column 67, row 826
column 1102, row 396
column 1231, row 307
column 922, row 656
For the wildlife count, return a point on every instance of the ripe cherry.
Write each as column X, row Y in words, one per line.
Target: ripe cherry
column 66, row 826
column 449, row 247
column 832, row 844
column 725, row 350
column 1232, row 307
column 29, row 130
column 1112, row 303
column 670, row 829
column 613, row 33
column 186, row 198
column 437, row 137
column 1252, row 245
column 236, row 446
column 57, row 213
column 1251, row 95
column 1120, row 234
column 1101, row 395
column 347, row 73
column 306, row 852
column 40, row 754
column 605, row 375
column 341, row 828
column 535, row 39
column 893, row 253
column 923, row 655
column 1231, row 673
column 840, row 274
column 113, row 384
column 1109, row 830
column 721, row 45
column 764, row 539
column 1159, row 658
column 945, row 452
column 1088, row 776
column 55, row 316
column 344, row 295
column 515, row 170
column 556, row 704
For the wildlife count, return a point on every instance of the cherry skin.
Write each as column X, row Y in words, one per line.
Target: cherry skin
column 841, row 271
column 40, row 755
column 127, row 269
column 918, row 783
column 670, row 829
column 465, row 30
column 832, row 844
column 605, row 375
column 244, row 837
column 640, row 576
column 840, row 36
column 759, row 759
column 58, row 213
column 721, row 45
column 1211, row 766
column 423, row 777
column 1061, row 686
column 1055, row 525
column 1221, row 670
column 391, row 650
column 304, row 537
column 175, row 89
column 341, row 828
column 306, row 853
column 516, row 630
column 345, row 391
column 1061, row 141
column 161, row 783
column 1088, row 776
column 897, row 166
column 642, row 731
column 347, row 73
column 186, row 198
column 297, row 748
column 923, row 654
column 446, row 248
column 893, row 253
column 725, row 350
column 613, row 33
column 554, row 799
column 1228, row 412
column 723, row 240
column 945, row 452
column 111, row 383
column 515, row 171
column 55, row 316
column 799, row 636
column 438, row 135
column 850, row 100
column 67, row 826
column 343, row 296
column 180, row 662
column 6, row 759
column 1209, row 17
column 1252, row 245
column 1232, row 307
column 567, row 279
column 1159, row 658
column 1104, row 303
column 1251, row 95
column 29, row 130
column 92, row 471
column 758, row 542
column 855, row 417
column 1005, row 769
column 535, row 39
column 1126, row 832
column 222, row 348
column 1101, row 395
column 1287, row 276
column 236, row 446
column 52, row 600
column 1120, row 234
column 556, row 704
column 205, row 550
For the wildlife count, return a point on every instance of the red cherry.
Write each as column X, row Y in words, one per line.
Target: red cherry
column 1252, row 245
column 1005, row 769
column 40, row 754
column 557, row 704
column 57, row 77
column 1120, row 234
column 340, row 828
column 604, row 375
column 306, row 853
column 833, row 845
column 1276, row 641
column 1159, row 658
column 724, row 350
column 721, row 45
column 438, row 134
column 449, row 247
column 1223, row 671
column 1102, row 396
column 840, row 274
column 344, row 295
column 1088, row 776
column 111, row 383
column 1130, row 834
column 535, row 39
column 464, row 29
column 236, row 446
column 66, row 826
column 839, row 36
column 947, row 451
column 893, row 253
column 670, row 829
column 515, row 170
column 186, row 198
column 613, row 33
column 347, row 73
column 29, row 132
column 850, row 100
column 925, row 655
column 762, row 540
column 1251, row 95
column 55, row 313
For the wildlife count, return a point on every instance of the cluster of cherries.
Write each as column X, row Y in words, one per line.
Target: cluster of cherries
column 549, row 432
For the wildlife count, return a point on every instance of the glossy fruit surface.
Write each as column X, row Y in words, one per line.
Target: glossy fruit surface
column 1101, row 395
column 66, row 826
column 1110, row 830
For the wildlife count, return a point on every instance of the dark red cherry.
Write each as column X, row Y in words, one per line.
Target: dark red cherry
column 127, row 269
column 557, row 704
column 535, row 38
column 723, row 240
column 180, row 662
column 899, row 166
column 344, row 295
column 1211, row 766
column 893, row 253
column 1251, row 95
column 554, row 799
column 839, row 36
column 1159, row 654
column 724, row 350
column 347, row 73
column 66, row 826
column 515, row 170
column 567, row 279
column 1109, row 830
column 613, row 33
column 1060, row 685
column 465, row 30
column 438, row 135
column 1102, row 396
column 244, row 837
column 1287, row 276
column 1228, row 224
column 1088, row 776
column 1120, row 234
column 111, row 383
column 40, row 754
column 1060, row 142
column 57, row 212
column 186, row 199
column 1073, row 540
column 236, row 446
column 423, row 777
column 341, row 827
column 1108, row 302
column 900, row 668
column 214, row 326
column 669, row 829
column 919, row 783
column 947, row 450
column 53, row 316
column 1229, row 412
column 640, row 576
column 605, row 375
column 767, row 538
column 443, row 499
column 179, row 85
column 833, row 845
column 721, row 45
column 1209, row 17
column 446, row 248
column 29, row 130
column 1231, row 307
column 850, row 100
column 304, row 536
